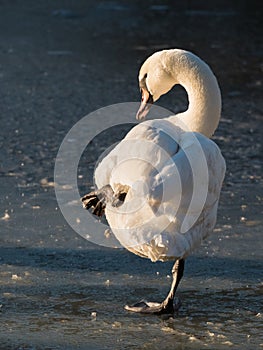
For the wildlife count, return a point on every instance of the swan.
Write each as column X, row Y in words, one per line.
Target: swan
column 159, row 187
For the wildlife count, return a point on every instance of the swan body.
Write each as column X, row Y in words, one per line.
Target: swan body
column 168, row 171
column 135, row 224
column 134, row 161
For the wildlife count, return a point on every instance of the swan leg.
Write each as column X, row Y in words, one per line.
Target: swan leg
column 98, row 200
column 167, row 306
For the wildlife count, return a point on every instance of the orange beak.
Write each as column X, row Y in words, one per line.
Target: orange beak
column 147, row 101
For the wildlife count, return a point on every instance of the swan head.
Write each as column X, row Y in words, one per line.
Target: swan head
column 164, row 69
column 155, row 80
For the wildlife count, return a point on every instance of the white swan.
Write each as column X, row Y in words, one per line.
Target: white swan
column 160, row 186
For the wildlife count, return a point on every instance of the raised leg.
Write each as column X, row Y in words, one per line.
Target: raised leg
column 167, row 306
column 98, row 200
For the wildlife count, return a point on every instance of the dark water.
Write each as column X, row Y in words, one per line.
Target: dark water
column 61, row 61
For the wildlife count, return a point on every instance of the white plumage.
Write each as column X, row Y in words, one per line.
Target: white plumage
column 169, row 169
column 164, row 155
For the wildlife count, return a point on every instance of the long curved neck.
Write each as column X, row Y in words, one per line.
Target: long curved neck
column 204, row 96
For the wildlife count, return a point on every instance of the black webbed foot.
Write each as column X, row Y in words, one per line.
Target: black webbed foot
column 98, row 200
column 144, row 307
column 168, row 306
column 91, row 200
